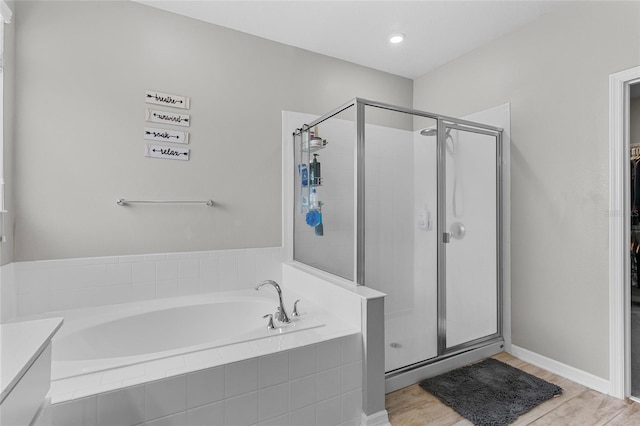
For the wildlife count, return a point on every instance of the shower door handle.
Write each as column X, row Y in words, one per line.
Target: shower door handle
column 446, row 237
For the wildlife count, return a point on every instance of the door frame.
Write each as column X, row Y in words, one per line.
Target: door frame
column 619, row 232
column 443, row 347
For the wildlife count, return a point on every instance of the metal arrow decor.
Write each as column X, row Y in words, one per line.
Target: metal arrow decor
column 175, row 101
column 156, row 116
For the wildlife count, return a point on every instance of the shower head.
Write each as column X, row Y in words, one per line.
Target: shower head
column 432, row 131
column 429, row 131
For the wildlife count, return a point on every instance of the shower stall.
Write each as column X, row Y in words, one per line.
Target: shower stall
column 408, row 203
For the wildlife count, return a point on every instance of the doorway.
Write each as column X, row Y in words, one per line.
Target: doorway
column 634, row 226
column 619, row 213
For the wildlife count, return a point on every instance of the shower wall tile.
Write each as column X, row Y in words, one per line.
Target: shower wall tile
column 228, row 272
column 209, row 274
column 167, row 270
column 32, row 281
column 52, row 285
column 144, row 272
column 168, row 288
column 247, row 270
column 188, row 286
column 143, row 291
column 189, row 268
column 118, row 273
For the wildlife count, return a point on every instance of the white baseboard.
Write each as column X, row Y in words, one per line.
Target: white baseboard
column 381, row 418
column 582, row 377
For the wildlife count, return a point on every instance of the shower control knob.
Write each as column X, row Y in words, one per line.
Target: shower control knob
column 457, row 230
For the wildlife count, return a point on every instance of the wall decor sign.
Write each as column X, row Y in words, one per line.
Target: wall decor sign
column 166, row 135
column 166, row 152
column 165, row 117
column 176, row 101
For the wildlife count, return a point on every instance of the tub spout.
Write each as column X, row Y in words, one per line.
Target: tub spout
column 281, row 314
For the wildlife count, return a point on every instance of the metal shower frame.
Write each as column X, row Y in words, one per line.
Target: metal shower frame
column 443, row 123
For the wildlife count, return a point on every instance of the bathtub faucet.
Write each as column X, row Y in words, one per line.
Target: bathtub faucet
column 281, row 314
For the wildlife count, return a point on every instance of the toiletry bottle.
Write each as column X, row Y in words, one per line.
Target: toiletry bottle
column 319, row 228
column 312, row 173
column 302, row 169
column 314, row 170
column 313, row 199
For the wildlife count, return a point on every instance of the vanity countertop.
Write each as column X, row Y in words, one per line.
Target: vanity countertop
column 20, row 345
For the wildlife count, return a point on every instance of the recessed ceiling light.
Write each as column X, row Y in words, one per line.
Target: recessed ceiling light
column 396, row 38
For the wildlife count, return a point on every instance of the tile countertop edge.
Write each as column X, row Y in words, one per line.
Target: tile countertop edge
column 18, row 353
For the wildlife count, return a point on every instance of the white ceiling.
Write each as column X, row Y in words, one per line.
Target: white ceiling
column 357, row 31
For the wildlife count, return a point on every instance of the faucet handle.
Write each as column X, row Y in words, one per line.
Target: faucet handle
column 270, row 324
column 295, row 312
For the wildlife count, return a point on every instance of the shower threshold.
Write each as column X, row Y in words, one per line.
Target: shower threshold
column 412, row 374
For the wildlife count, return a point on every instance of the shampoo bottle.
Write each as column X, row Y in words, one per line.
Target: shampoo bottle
column 314, row 170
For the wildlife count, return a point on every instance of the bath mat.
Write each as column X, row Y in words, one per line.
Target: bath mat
column 490, row 393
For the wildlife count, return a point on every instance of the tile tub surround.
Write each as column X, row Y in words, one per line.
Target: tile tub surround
column 52, row 285
column 315, row 384
column 8, row 294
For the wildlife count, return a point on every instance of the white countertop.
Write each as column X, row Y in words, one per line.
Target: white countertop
column 20, row 345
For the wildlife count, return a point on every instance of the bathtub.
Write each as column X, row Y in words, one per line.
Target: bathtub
column 100, row 339
column 206, row 359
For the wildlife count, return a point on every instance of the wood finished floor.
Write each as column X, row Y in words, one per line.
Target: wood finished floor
column 578, row 405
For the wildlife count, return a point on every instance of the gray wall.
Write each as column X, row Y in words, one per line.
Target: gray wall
column 83, row 68
column 6, row 248
column 555, row 74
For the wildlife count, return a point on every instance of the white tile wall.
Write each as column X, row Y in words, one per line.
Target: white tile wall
column 241, row 410
column 205, row 387
column 166, row 397
column 52, row 285
column 211, row 414
column 81, row 412
column 121, row 407
column 8, row 293
column 259, row 391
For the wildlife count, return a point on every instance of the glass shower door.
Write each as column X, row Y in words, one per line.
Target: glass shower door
column 468, row 303
column 400, row 233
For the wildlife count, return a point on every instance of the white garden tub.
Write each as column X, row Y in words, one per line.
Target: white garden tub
column 205, row 359
column 104, row 338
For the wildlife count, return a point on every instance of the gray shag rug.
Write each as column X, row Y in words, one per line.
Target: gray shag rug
column 490, row 393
